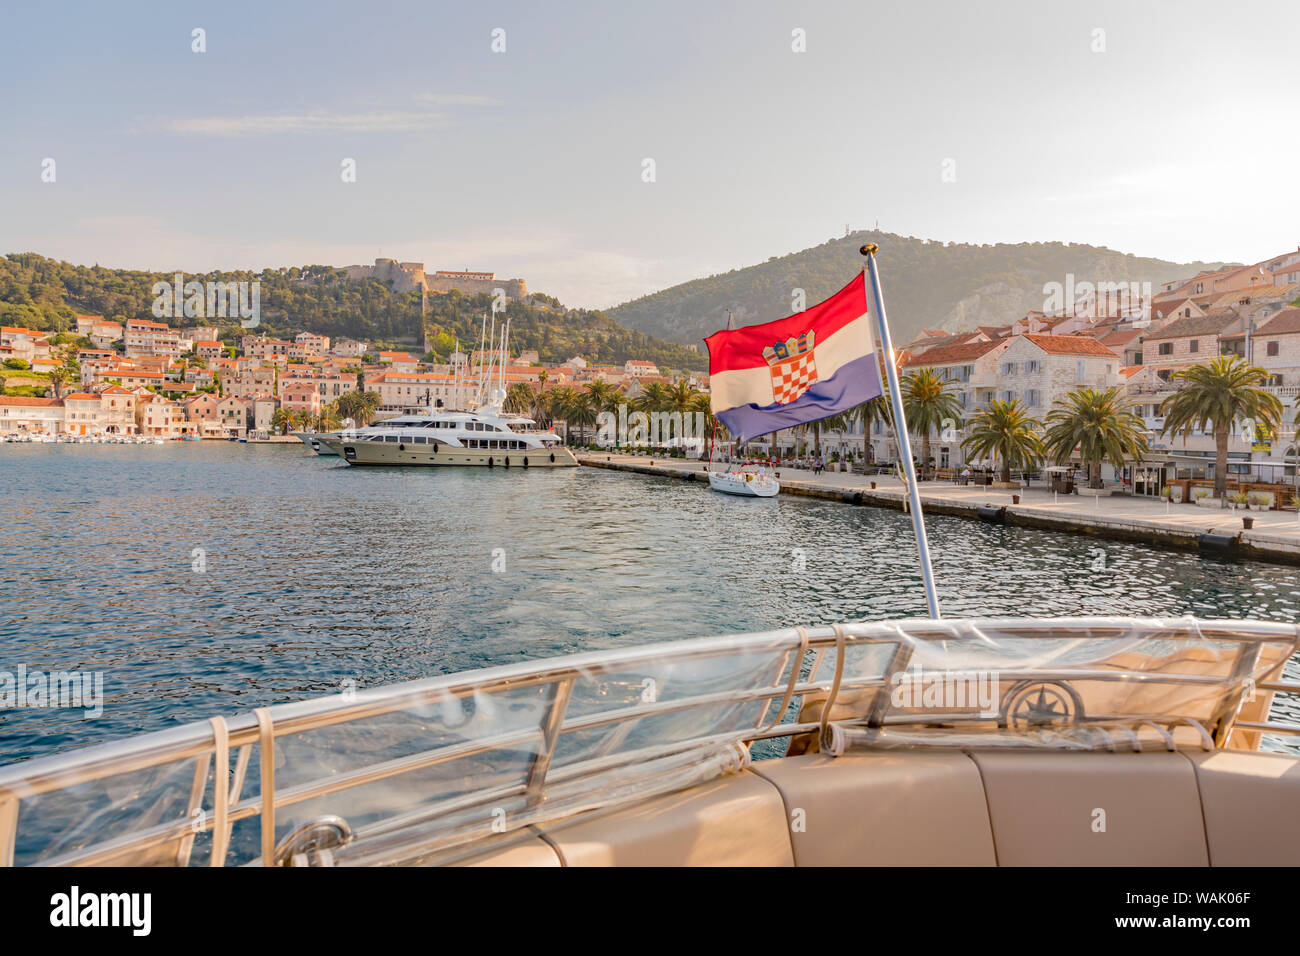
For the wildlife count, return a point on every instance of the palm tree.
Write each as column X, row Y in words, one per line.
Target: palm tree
column 328, row 418
column 1007, row 432
column 655, row 397
column 520, row 399
column 842, row 422
column 604, row 396
column 677, row 397
column 559, row 404
column 281, row 419
column 358, row 405
column 58, row 376
column 927, row 405
column 580, row 410
column 879, row 409
column 1101, row 424
column 1218, row 394
column 703, row 405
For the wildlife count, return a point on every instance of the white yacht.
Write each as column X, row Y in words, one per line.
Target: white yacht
column 488, row 438
column 313, row 441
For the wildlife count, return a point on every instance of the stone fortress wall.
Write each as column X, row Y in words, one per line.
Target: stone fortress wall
column 410, row 276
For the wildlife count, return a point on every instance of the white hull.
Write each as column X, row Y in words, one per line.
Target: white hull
column 401, row 453
column 313, row 441
column 745, row 484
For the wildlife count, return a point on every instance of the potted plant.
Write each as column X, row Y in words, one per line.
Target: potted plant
column 1239, row 500
column 1202, row 496
column 1260, row 500
column 1167, row 493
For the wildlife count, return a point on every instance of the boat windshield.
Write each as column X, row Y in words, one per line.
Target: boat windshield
column 426, row 764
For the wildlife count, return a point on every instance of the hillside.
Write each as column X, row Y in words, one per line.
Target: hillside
column 45, row 294
column 927, row 284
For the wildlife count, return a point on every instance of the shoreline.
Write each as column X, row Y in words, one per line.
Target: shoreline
column 1274, row 539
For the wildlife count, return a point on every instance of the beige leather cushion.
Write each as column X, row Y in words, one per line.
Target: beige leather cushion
column 1252, row 807
column 1042, row 807
column 521, row 850
column 913, row 809
column 737, row 820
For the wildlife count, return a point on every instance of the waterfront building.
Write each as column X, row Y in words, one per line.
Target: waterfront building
column 117, row 410
column 329, row 385
column 30, row 415
column 81, row 413
column 199, row 409
column 264, row 407
column 1275, row 346
column 1039, row 370
column 399, row 391
column 1189, row 340
column 234, row 415
column 158, row 417
column 302, row 397
column 209, row 349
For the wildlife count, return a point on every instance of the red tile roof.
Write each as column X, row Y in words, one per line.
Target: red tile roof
column 1069, row 345
column 949, row 354
column 28, row 401
column 1286, row 321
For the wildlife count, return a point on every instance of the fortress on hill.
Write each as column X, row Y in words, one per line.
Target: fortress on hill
column 410, row 276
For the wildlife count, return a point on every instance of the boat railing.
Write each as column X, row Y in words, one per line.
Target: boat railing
column 414, row 770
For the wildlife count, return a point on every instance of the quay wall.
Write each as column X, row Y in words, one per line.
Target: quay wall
column 1260, row 546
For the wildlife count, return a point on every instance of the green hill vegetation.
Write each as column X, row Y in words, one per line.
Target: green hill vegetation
column 927, row 284
column 48, row 295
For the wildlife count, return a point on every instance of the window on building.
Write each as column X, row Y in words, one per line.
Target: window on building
column 1080, row 370
column 1166, row 348
column 1194, row 345
column 1272, row 348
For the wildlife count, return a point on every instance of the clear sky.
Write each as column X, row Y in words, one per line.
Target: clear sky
column 1178, row 139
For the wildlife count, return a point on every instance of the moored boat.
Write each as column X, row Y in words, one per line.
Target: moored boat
column 487, row 438
column 749, row 481
column 313, row 441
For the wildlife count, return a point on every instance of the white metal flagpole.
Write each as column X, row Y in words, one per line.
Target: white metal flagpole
column 900, row 429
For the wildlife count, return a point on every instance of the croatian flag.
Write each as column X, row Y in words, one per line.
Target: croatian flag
column 796, row 370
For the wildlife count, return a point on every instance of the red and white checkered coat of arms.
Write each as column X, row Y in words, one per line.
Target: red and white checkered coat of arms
column 793, row 369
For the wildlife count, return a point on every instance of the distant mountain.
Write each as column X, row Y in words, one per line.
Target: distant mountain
column 927, row 284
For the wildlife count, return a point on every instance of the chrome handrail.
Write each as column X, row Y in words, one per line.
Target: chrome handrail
column 774, row 653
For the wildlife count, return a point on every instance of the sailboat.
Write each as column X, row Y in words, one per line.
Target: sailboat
column 920, row 741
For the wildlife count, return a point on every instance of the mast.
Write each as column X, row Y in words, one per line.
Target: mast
column 900, row 429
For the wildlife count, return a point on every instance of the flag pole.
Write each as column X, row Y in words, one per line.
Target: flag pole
column 900, row 429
